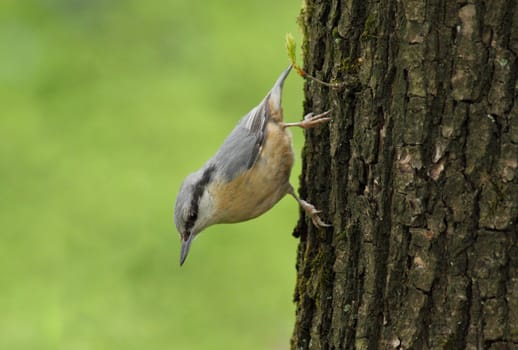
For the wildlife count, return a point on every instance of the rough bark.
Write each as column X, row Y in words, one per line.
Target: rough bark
column 417, row 173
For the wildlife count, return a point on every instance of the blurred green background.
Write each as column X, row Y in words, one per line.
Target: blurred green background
column 105, row 107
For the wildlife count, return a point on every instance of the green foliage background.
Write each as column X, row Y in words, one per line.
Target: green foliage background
column 105, row 107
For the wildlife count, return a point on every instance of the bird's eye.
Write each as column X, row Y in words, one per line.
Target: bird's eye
column 191, row 219
column 192, row 216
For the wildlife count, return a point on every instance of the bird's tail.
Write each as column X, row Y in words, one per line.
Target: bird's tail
column 276, row 91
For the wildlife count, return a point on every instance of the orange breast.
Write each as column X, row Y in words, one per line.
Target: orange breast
column 260, row 187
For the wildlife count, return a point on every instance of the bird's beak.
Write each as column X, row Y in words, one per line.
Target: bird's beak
column 185, row 248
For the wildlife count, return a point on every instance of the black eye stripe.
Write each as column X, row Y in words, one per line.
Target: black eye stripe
column 199, row 187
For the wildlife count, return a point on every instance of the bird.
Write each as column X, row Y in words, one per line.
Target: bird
column 248, row 174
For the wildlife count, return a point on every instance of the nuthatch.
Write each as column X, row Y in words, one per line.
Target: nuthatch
column 247, row 175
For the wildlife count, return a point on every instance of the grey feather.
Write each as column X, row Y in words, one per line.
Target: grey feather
column 242, row 147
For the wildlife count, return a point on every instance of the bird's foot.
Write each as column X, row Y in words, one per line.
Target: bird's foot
column 313, row 212
column 311, row 120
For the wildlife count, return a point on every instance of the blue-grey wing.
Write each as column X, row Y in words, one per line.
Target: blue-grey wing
column 242, row 147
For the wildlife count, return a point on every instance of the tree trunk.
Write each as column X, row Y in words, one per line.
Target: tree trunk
column 417, row 173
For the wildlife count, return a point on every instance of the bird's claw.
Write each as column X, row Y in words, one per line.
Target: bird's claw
column 311, row 115
column 311, row 120
column 317, row 221
column 313, row 212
